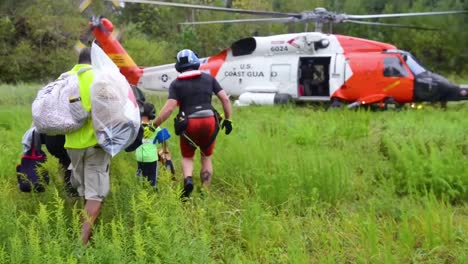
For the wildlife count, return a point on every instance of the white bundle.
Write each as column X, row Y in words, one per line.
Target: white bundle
column 114, row 110
column 57, row 109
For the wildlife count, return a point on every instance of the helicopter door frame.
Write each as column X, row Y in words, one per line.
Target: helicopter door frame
column 313, row 82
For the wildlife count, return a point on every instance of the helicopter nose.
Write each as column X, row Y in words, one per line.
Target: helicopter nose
column 432, row 87
column 450, row 91
column 464, row 91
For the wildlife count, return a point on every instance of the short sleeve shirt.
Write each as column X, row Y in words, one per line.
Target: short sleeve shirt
column 194, row 91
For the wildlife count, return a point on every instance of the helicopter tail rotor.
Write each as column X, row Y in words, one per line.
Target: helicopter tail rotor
column 86, row 38
column 95, row 21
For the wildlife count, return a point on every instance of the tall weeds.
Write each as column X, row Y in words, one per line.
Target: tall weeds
column 291, row 185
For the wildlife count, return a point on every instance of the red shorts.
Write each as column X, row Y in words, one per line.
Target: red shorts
column 200, row 130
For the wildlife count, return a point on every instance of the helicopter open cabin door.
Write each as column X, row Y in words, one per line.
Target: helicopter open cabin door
column 314, row 79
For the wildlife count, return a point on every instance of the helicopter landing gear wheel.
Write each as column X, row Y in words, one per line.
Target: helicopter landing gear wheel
column 335, row 104
column 391, row 104
column 282, row 99
column 443, row 105
column 356, row 105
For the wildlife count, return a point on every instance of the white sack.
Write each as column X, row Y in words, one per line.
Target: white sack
column 114, row 110
column 57, row 109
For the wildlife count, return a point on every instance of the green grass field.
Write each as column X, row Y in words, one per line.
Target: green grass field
column 291, row 185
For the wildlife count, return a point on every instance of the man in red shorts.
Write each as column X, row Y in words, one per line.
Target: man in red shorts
column 192, row 91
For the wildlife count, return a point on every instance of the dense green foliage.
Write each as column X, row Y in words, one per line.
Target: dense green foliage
column 291, row 185
column 37, row 36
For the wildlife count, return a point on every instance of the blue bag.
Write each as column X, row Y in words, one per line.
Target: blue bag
column 162, row 136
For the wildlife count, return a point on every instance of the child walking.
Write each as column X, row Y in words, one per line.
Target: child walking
column 147, row 153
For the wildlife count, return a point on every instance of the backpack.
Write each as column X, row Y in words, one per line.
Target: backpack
column 29, row 179
column 57, row 109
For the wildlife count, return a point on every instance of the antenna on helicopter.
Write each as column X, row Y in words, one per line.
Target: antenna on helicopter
column 319, row 16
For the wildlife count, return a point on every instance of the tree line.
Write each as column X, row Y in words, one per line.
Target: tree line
column 37, row 37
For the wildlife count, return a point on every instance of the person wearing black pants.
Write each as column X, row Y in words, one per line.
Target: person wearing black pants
column 54, row 145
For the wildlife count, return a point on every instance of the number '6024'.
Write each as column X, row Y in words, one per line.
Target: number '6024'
column 279, row 48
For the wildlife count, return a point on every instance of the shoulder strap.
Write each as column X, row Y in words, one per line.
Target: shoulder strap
column 36, row 144
column 82, row 70
column 68, row 73
column 217, row 126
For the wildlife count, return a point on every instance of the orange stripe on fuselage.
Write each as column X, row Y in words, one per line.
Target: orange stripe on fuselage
column 214, row 63
column 391, row 86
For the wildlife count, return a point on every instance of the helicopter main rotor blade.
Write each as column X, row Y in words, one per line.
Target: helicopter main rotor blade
column 405, row 14
column 214, row 8
column 253, row 20
column 389, row 25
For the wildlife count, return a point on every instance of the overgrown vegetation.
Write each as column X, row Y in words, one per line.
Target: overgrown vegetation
column 291, row 185
column 37, row 36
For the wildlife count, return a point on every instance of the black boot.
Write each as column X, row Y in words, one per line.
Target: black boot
column 188, row 187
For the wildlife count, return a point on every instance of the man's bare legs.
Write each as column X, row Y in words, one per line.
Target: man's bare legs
column 187, row 166
column 92, row 210
column 206, row 171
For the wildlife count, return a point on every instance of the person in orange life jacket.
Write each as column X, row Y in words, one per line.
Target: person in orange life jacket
column 89, row 162
column 192, row 91
column 147, row 154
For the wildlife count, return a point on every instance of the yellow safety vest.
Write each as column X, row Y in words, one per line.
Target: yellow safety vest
column 83, row 137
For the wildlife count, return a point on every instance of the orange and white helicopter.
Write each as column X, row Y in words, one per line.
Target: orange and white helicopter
column 308, row 66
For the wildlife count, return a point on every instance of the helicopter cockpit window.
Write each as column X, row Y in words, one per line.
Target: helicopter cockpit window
column 243, row 47
column 394, row 68
column 414, row 65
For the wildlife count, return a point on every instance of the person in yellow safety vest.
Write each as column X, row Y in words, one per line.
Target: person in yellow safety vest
column 89, row 162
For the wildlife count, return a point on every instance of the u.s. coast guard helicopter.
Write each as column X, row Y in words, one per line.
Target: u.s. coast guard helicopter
column 308, row 66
